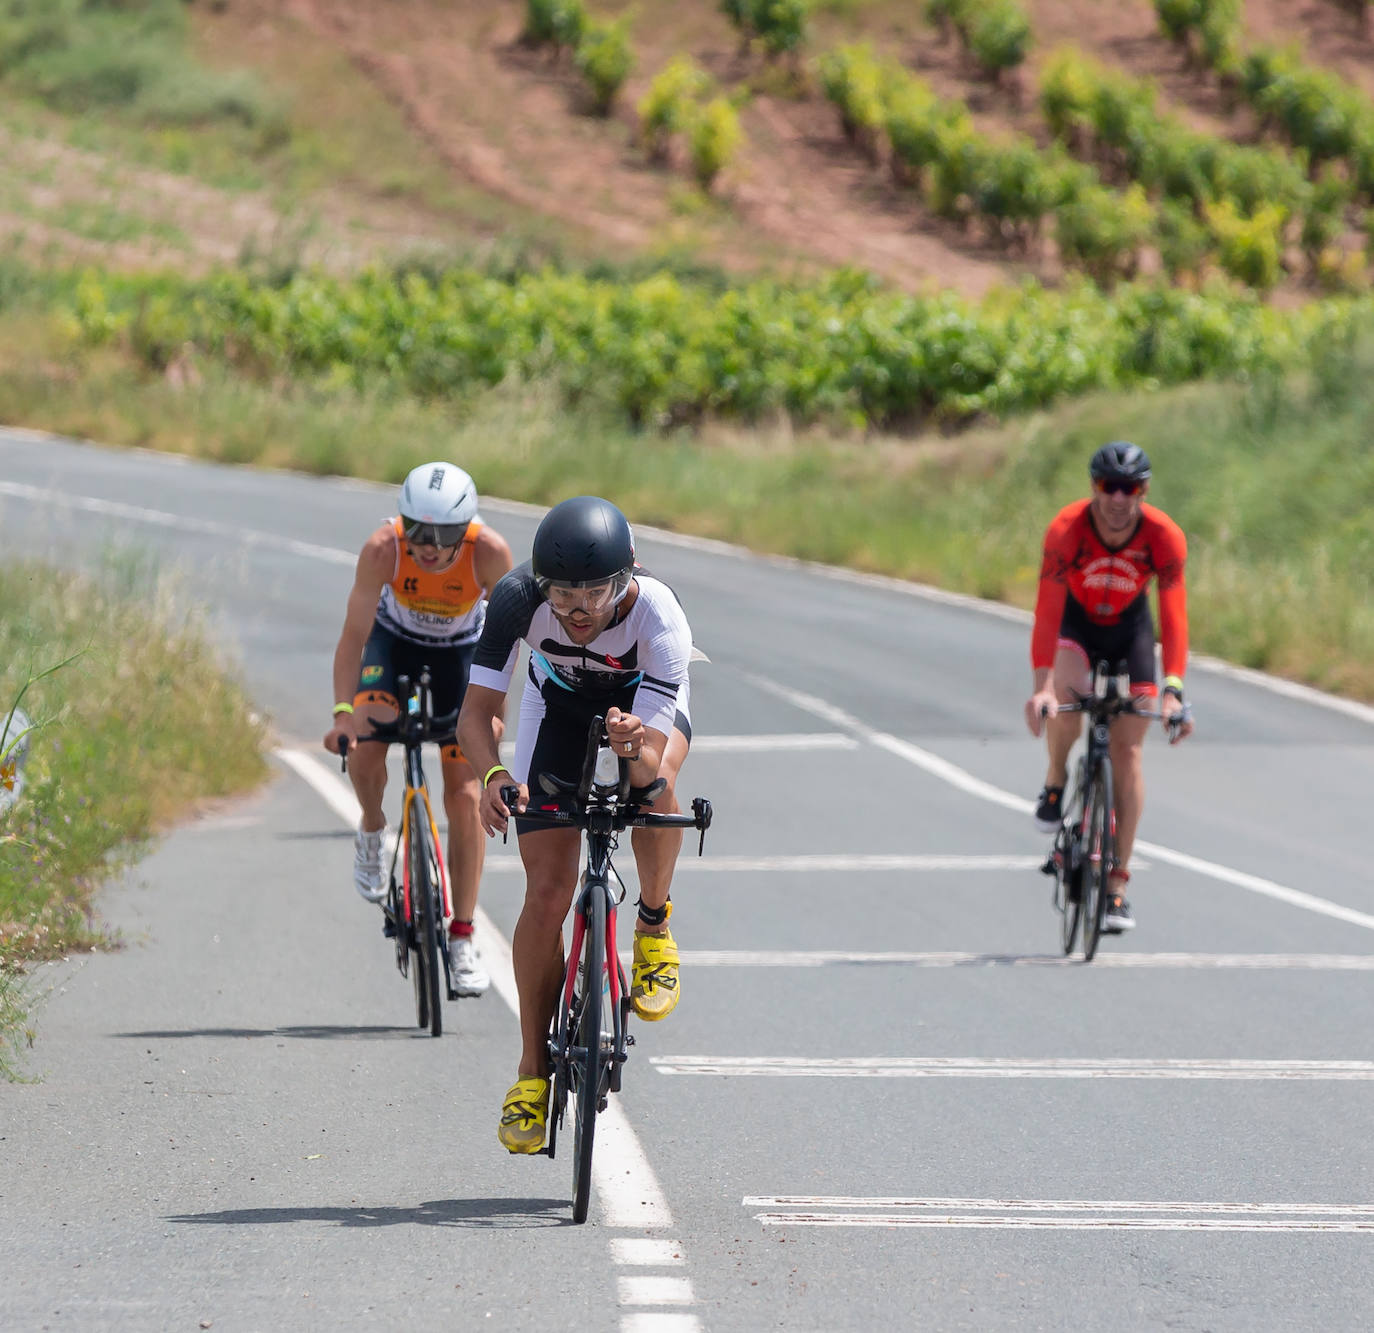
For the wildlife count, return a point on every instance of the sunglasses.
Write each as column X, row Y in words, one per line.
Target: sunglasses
column 1112, row 486
column 434, row 534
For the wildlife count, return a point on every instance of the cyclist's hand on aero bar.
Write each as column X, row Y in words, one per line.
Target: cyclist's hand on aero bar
column 1039, row 706
column 492, row 810
column 625, row 732
column 345, row 727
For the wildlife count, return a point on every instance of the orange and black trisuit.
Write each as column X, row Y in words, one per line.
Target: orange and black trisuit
column 1092, row 597
column 425, row 618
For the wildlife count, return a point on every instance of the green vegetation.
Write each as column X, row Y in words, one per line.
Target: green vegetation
column 118, row 680
column 779, row 26
column 663, row 351
column 127, row 58
column 995, row 33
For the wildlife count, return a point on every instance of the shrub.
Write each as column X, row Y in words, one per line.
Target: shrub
column 714, row 137
column 1103, row 231
column 556, row 23
column 667, row 108
column 853, row 80
column 1249, row 248
column 779, row 25
column 604, row 59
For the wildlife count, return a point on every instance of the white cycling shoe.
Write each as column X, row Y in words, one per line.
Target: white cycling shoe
column 367, row 864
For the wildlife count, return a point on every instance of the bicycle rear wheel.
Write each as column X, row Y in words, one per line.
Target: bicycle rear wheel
column 585, row 1059
column 1097, row 859
column 429, row 1011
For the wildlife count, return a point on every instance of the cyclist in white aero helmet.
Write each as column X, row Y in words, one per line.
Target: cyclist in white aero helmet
column 419, row 599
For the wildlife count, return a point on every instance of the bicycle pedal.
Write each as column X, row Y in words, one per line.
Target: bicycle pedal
column 629, row 1040
column 388, row 928
column 1049, row 868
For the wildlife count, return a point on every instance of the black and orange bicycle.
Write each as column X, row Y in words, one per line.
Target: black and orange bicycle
column 418, row 900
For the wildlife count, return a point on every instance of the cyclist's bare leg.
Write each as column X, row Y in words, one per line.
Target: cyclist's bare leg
column 367, row 767
column 550, row 859
column 467, row 847
column 1072, row 677
column 656, row 850
column 1127, row 749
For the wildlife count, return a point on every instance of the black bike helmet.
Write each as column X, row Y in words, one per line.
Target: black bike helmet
column 582, row 542
column 1120, row 461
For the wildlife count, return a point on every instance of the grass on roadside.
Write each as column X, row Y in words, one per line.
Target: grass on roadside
column 119, row 749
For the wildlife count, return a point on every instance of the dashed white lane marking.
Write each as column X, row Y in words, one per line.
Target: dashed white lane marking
column 746, row 1066
column 964, row 781
column 827, row 863
column 943, row 1204
column 1008, row 1222
column 1016, row 1214
column 627, row 1190
column 654, row 1289
column 646, row 1250
column 755, row 958
column 762, row 743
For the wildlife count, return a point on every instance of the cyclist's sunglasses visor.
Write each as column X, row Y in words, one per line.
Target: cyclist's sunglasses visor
column 594, row 598
column 433, row 534
column 1118, row 486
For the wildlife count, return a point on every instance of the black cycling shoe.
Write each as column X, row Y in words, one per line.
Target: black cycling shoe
column 1116, row 916
column 1050, row 809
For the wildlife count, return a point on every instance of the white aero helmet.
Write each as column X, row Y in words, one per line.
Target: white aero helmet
column 437, row 503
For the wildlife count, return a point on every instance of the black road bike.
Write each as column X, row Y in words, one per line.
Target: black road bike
column 1084, row 851
column 418, row 900
column 588, row 1038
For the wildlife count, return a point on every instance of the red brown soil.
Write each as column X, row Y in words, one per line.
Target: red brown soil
column 510, row 122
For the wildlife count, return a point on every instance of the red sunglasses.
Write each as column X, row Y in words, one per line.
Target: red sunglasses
column 1113, row 486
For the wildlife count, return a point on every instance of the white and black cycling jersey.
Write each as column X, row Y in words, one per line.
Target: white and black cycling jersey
column 646, row 652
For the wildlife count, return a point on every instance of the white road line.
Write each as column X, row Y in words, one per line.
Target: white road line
column 178, row 522
column 645, row 1322
column 768, row 741
column 654, row 1289
column 823, row 863
column 964, row 781
column 965, row 1222
column 755, row 958
column 628, row 1192
column 1065, row 1205
column 645, row 1251
column 744, row 1066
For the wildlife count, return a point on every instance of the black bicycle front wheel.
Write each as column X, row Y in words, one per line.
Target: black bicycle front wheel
column 585, row 1059
column 1097, row 861
column 429, row 1011
column 1068, row 891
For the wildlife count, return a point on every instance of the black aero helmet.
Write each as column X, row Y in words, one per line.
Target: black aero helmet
column 581, row 542
column 1120, row 461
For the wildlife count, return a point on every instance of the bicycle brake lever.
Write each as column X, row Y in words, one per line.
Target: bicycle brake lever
column 343, row 754
column 509, row 795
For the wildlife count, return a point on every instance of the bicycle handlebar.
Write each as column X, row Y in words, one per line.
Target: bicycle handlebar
column 415, row 725
column 600, row 807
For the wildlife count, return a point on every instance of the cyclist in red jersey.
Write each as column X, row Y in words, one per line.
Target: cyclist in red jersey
column 1100, row 555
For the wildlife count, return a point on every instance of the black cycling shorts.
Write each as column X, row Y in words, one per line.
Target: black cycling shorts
column 560, row 747
column 1131, row 639
column 387, row 657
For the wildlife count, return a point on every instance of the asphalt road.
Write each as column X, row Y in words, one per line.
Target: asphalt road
column 884, row 1100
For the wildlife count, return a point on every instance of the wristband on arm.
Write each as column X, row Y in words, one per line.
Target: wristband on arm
column 342, row 708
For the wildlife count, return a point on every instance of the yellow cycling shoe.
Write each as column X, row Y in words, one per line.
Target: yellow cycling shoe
column 654, row 988
column 524, row 1115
